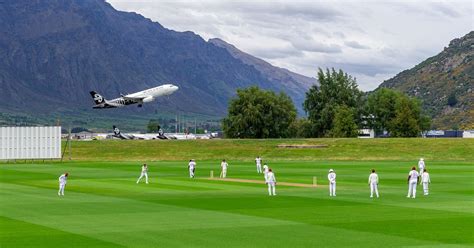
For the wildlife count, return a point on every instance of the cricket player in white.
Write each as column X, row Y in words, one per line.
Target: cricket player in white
column 62, row 183
column 144, row 173
column 258, row 162
column 425, row 180
column 374, row 184
column 192, row 167
column 413, row 178
column 224, row 166
column 421, row 165
column 270, row 180
column 265, row 171
column 332, row 182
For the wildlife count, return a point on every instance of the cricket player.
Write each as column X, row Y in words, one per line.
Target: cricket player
column 258, row 162
column 374, row 184
column 425, row 180
column 265, row 171
column 413, row 178
column 332, row 182
column 62, row 183
column 191, row 167
column 224, row 166
column 144, row 173
column 421, row 166
column 270, row 180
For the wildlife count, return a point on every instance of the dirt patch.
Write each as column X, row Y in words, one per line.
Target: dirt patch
column 302, row 146
column 239, row 180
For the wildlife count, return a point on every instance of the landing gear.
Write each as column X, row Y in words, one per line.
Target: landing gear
column 140, row 105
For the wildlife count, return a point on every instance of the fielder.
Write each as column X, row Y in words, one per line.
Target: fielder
column 413, row 178
column 270, row 180
column 224, row 166
column 144, row 173
column 421, row 165
column 332, row 182
column 62, row 183
column 265, row 171
column 191, row 167
column 374, row 184
column 425, row 179
column 258, row 162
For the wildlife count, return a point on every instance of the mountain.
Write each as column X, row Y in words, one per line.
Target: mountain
column 292, row 81
column 53, row 52
column 444, row 83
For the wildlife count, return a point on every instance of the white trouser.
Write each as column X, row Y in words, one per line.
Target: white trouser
column 421, row 172
column 141, row 176
column 425, row 188
column 259, row 168
column 271, row 188
column 332, row 189
column 224, row 173
column 191, row 173
column 412, row 189
column 61, row 188
column 374, row 188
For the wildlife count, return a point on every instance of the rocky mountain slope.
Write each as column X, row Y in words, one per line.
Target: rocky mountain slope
column 444, row 83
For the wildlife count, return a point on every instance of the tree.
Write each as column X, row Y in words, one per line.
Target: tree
column 344, row 123
column 381, row 105
column 153, row 126
column 335, row 89
column 257, row 113
column 300, row 128
column 406, row 121
column 452, row 100
column 396, row 113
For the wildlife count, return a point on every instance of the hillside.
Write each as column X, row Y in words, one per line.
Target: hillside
column 444, row 83
column 54, row 52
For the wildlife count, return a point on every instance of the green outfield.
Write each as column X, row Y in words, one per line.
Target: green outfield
column 104, row 207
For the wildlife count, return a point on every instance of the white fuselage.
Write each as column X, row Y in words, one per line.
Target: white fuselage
column 140, row 97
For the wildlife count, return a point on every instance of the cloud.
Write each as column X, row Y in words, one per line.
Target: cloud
column 355, row 45
column 372, row 41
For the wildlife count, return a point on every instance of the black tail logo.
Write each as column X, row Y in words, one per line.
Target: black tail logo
column 98, row 99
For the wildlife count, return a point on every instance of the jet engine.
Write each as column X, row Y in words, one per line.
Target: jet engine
column 148, row 99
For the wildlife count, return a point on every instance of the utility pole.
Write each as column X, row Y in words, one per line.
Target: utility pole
column 195, row 126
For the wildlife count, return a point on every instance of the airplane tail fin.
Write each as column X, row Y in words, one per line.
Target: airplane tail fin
column 98, row 99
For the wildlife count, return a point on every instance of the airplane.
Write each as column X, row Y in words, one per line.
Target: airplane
column 140, row 97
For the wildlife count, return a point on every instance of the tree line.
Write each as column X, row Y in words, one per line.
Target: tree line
column 335, row 108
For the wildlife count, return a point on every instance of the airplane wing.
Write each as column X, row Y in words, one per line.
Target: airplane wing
column 135, row 98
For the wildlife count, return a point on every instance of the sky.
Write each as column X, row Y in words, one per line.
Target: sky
column 370, row 40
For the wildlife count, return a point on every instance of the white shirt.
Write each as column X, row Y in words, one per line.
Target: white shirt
column 63, row 179
column 192, row 164
column 270, row 178
column 413, row 176
column 144, row 169
column 332, row 177
column 421, row 165
column 265, row 168
column 373, row 178
column 425, row 177
column 258, row 161
column 224, row 165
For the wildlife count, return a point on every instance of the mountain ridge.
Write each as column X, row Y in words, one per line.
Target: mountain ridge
column 449, row 74
column 56, row 51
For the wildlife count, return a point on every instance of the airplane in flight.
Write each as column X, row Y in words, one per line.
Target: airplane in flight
column 139, row 98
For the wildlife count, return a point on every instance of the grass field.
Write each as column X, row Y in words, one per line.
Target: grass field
column 104, row 207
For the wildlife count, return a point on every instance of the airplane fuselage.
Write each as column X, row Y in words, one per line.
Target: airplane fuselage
column 139, row 98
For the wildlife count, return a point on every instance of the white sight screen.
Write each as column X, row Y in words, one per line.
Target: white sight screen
column 30, row 142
